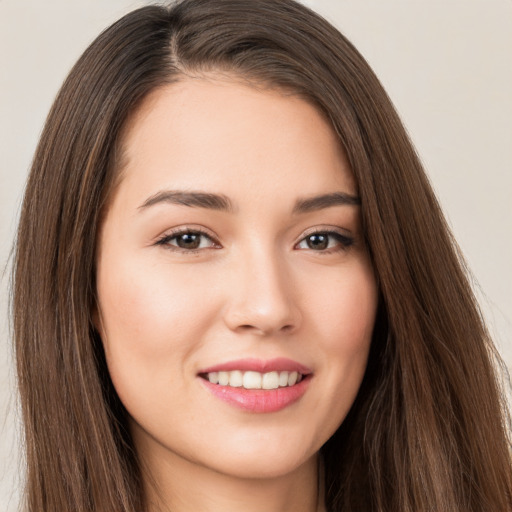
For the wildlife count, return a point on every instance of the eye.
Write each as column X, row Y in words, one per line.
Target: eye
column 325, row 241
column 187, row 240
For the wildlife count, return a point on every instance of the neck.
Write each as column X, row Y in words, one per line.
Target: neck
column 182, row 486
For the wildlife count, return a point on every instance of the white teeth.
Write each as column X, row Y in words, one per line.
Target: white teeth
column 255, row 380
column 252, row 380
column 270, row 381
column 223, row 378
column 236, row 379
column 292, row 378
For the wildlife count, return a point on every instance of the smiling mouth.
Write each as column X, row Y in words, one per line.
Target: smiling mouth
column 254, row 380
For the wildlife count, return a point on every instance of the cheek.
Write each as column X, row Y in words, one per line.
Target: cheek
column 149, row 321
column 343, row 318
column 344, row 312
column 147, row 304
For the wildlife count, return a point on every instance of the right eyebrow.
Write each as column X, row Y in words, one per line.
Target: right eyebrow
column 193, row 199
column 314, row 203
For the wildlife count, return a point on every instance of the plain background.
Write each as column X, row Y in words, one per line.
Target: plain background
column 446, row 64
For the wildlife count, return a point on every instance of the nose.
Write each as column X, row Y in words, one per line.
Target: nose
column 262, row 297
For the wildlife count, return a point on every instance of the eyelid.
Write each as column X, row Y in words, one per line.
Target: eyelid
column 344, row 237
column 181, row 230
column 326, row 229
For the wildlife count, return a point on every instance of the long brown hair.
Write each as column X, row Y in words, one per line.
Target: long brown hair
column 428, row 430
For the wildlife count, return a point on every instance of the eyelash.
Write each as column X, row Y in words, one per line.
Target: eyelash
column 344, row 242
column 166, row 239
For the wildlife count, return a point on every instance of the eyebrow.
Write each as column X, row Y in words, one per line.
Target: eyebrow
column 221, row 202
column 315, row 203
column 192, row 199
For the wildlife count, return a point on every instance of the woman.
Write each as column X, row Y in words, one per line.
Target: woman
column 234, row 285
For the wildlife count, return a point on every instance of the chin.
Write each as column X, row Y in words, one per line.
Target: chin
column 265, row 457
column 264, row 467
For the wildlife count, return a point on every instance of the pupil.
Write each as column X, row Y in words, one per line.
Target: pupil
column 189, row 241
column 318, row 241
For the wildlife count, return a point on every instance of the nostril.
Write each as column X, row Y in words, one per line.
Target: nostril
column 261, row 314
column 261, row 329
column 247, row 327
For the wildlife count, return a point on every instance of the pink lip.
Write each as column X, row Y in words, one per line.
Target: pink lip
column 259, row 400
column 280, row 364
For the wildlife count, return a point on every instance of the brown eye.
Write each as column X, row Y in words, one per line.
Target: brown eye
column 325, row 241
column 318, row 242
column 187, row 241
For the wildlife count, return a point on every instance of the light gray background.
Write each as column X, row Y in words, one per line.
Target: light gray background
column 446, row 64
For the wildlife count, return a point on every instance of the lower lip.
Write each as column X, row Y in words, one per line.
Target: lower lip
column 259, row 400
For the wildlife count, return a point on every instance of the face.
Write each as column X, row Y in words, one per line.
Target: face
column 236, row 300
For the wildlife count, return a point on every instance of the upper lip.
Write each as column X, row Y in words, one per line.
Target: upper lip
column 279, row 364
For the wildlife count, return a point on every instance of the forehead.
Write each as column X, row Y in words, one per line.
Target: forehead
column 227, row 136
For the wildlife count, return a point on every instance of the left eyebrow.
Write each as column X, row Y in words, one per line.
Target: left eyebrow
column 192, row 199
column 311, row 204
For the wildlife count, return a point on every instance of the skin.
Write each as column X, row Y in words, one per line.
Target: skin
column 255, row 287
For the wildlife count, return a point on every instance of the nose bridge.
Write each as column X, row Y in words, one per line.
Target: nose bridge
column 261, row 298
